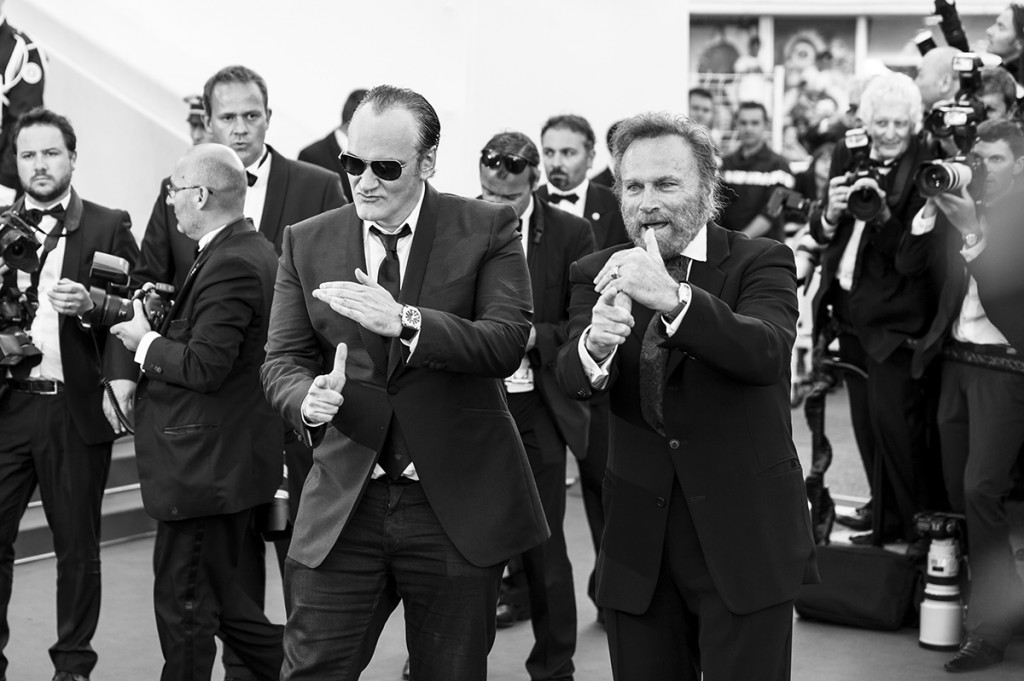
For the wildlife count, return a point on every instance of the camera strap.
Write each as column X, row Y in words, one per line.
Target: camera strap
column 49, row 244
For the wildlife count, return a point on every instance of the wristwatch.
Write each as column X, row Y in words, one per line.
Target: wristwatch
column 411, row 320
column 971, row 239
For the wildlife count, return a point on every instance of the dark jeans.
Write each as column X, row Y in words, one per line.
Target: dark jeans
column 197, row 596
column 393, row 548
column 39, row 444
column 687, row 629
column 981, row 422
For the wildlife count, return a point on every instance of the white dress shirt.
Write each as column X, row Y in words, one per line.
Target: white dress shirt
column 579, row 190
column 256, row 195
column 522, row 380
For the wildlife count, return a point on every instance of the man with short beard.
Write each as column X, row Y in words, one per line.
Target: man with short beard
column 57, row 424
column 707, row 537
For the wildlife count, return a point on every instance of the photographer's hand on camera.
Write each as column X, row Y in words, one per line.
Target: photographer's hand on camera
column 131, row 332
column 870, row 184
column 70, row 298
column 959, row 208
column 124, row 393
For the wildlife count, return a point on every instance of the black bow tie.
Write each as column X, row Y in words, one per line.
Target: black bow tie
column 555, row 198
column 35, row 215
column 251, row 178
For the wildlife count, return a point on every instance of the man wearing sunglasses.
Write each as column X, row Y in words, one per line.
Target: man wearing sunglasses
column 547, row 419
column 567, row 144
column 394, row 321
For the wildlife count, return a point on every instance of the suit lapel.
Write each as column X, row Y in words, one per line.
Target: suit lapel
column 71, row 266
column 537, row 256
column 416, row 268
column 593, row 206
column 277, row 189
column 201, row 259
column 354, row 251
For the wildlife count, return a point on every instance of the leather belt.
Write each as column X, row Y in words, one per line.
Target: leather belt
column 36, row 387
column 997, row 357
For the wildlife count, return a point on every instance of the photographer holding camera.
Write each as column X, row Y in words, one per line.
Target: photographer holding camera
column 56, row 422
column 978, row 332
column 880, row 299
column 207, row 442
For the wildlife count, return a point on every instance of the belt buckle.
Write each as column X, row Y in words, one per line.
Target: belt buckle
column 54, row 388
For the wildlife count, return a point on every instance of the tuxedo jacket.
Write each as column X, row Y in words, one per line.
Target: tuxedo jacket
column 325, row 153
column 295, row 191
column 87, row 354
column 207, row 441
column 602, row 210
column 467, row 275
column 728, row 438
column 556, row 240
column 998, row 272
column 894, row 291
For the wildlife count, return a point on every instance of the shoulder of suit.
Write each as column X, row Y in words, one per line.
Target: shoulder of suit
column 330, row 220
column 305, row 171
column 564, row 219
column 97, row 211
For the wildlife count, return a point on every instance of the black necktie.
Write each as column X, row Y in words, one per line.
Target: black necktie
column 250, row 178
column 35, row 215
column 654, row 358
column 49, row 243
column 555, row 198
column 389, row 273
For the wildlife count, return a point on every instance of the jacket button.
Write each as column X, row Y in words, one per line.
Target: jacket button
column 660, row 502
column 673, row 444
column 392, row 390
column 158, row 369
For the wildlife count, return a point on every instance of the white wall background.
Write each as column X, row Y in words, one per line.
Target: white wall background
column 119, row 68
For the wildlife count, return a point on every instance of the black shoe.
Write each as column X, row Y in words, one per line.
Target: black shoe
column 974, row 654
column 71, row 676
column 405, row 669
column 507, row 615
column 858, row 521
column 868, row 538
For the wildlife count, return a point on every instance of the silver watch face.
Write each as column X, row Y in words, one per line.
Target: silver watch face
column 410, row 317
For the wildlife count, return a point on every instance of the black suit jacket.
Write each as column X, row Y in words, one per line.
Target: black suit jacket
column 556, row 240
column 90, row 228
column 467, row 275
column 295, row 191
column 207, row 441
column 603, row 212
column 325, row 153
column 894, row 290
column 728, row 432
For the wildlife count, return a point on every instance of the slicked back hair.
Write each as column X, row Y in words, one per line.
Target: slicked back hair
column 577, row 124
column 520, row 145
column 387, row 97
column 653, row 125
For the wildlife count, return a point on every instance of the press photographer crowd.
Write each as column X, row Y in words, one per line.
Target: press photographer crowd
column 385, row 381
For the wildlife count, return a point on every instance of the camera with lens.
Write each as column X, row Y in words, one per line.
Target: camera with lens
column 939, row 525
column 864, row 203
column 16, row 347
column 19, row 246
column 793, row 206
column 111, row 297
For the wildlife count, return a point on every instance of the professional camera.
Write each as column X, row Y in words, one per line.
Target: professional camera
column 941, row 611
column 925, row 42
column 793, row 206
column 864, row 204
column 109, row 290
column 15, row 345
column 18, row 243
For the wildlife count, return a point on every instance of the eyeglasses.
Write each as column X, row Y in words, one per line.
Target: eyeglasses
column 173, row 189
column 513, row 164
column 388, row 170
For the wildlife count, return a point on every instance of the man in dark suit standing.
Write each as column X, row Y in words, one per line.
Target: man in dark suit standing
column 56, row 422
column 707, row 537
column 208, row 443
column 567, row 144
column 420, row 488
column 547, row 419
column 325, row 152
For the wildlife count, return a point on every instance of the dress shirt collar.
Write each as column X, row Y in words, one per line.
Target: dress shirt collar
column 64, row 201
column 580, row 190
column 205, row 240
column 524, row 219
column 697, row 249
column 261, row 168
column 413, row 218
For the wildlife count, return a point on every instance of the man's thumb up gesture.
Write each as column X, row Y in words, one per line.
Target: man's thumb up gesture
column 324, row 398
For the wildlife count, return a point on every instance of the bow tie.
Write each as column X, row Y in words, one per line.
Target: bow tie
column 555, row 198
column 35, row 215
column 251, row 178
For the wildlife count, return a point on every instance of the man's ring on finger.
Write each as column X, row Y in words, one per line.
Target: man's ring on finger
column 616, row 273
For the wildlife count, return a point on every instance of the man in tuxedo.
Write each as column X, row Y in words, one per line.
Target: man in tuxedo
column 978, row 334
column 567, row 145
column 420, row 488
column 208, row 443
column 57, row 424
column 707, row 537
column 547, row 419
column 325, row 152
column 281, row 192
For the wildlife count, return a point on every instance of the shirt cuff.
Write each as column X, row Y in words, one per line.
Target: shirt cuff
column 147, row 340
column 685, row 295
column 596, row 373
column 411, row 344
column 922, row 225
column 970, row 253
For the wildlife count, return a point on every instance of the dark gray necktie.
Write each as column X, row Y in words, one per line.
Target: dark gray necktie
column 654, row 358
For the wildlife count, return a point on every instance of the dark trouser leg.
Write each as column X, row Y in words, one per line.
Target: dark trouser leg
column 688, row 630
column 17, row 481
column 252, row 577
column 547, row 567
column 591, row 476
column 851, row 352
column 981, row 420
column 197, row 596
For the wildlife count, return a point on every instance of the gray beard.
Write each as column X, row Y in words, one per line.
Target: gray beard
column 687, row 222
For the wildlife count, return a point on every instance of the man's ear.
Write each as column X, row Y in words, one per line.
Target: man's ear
column 428, row 163
column 1018, row 166
column 207, row 122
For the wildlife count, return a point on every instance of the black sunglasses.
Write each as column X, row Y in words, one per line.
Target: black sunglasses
column 513, row 164
column 388, row 170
